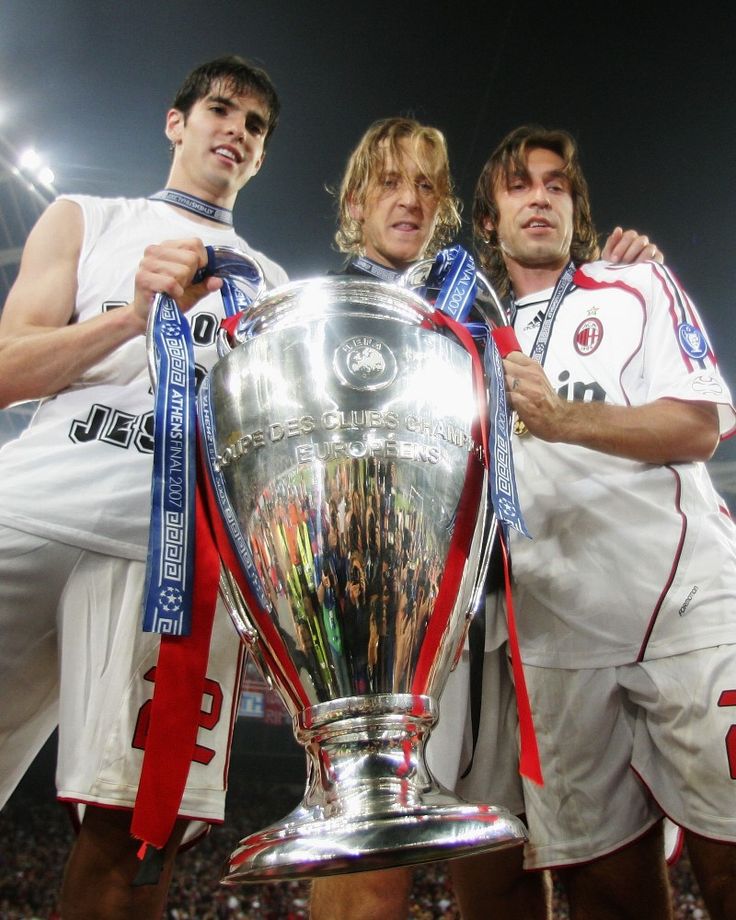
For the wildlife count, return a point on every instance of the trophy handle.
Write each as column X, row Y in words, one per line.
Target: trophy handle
column 234, row 265
column 489, row 305
column 230, row 264
column 491, row 311
column 222, row 342
column 235, row 603
column 487, row 302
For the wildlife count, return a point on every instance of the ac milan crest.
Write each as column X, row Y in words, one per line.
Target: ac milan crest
column 588, row 336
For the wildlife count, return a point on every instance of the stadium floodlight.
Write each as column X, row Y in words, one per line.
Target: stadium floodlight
column 30, row 160
column 38, row 175
column 45, row 175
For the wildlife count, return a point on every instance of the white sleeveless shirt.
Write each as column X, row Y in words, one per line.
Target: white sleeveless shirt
column 81, row 472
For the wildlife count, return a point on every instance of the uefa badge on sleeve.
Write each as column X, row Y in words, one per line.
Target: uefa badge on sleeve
column 692, row 341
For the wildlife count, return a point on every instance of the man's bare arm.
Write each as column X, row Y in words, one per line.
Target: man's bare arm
column 663, row 431
column 41, row 351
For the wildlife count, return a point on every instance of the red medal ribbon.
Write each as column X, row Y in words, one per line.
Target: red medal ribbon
column 505, row 339
column 177, row 702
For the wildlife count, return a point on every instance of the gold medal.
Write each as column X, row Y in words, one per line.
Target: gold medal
column 520, row 428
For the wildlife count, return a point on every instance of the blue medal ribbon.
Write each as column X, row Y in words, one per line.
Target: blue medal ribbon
column 453, row 273
column 562, row 288
column 167, row 600
column 504, row 495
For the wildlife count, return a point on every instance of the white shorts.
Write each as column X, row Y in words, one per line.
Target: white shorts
column 99, row 685
column 622, row 746
column 494, row 778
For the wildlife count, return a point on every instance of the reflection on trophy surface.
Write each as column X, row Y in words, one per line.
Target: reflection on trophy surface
column 343, row 448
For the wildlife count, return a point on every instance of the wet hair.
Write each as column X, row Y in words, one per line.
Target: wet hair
column 365, row 168
column 510, row 159
column 239, row 75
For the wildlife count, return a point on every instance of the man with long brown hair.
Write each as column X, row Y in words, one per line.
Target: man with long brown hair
column 623, row 594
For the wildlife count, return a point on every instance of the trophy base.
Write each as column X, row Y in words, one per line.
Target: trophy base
column 308, row 845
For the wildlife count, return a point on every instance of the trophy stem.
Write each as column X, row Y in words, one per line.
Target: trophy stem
column 371, row 801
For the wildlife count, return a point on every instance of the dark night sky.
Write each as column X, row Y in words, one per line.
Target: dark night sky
column 650, row 95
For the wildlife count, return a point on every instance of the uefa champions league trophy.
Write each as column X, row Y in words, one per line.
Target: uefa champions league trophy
column 340, row 431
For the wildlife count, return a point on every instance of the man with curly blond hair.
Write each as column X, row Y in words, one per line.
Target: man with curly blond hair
column 396, row 205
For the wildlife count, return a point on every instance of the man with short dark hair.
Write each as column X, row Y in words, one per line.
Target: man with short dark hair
column 75, row 488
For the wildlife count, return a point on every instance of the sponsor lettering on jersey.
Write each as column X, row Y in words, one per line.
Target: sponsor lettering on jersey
column 111, row 426
column 579, row 390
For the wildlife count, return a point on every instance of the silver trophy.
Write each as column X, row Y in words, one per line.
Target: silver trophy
column 340, row 433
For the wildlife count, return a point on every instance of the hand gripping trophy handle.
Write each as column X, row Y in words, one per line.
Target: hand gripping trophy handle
column 339, row 432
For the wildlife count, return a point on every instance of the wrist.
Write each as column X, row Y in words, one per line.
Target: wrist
column 132, row 319
column 568, row 422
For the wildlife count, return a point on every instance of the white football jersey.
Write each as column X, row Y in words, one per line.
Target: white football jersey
column 627, row 560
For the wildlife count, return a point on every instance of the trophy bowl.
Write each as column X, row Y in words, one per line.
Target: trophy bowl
column 341, row 439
